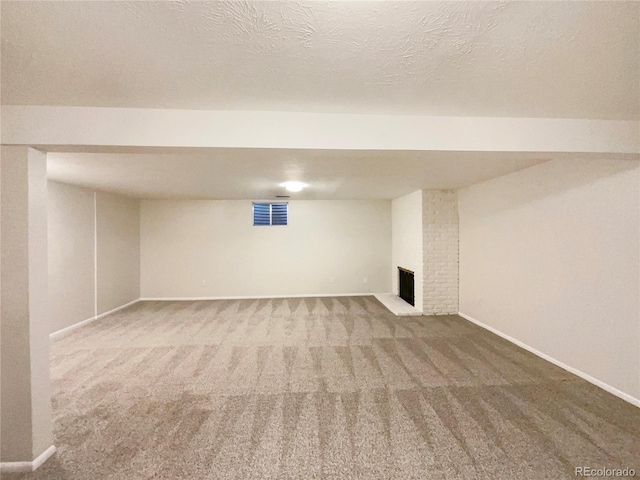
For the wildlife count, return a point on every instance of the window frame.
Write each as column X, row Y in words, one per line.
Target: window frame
column 271, row 204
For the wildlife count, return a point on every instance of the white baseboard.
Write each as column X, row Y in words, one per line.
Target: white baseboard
column 21, row 467
column 66, row 330
column 309, row 295
column 114, row 310
column 598, row 383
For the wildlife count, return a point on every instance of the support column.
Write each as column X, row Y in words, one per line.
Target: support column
column 25, row 387
column 440, row 224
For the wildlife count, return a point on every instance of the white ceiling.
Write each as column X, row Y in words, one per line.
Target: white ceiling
column 518, row 59
column 257, row 173
column 530, row 59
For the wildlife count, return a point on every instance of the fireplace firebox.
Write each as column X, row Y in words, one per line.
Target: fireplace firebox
column 406, row 286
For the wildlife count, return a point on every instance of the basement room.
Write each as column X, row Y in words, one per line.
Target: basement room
column 319, row 240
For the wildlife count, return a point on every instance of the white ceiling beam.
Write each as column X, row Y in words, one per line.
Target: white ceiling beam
column 130, row 127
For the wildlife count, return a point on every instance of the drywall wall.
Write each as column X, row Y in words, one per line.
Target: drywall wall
column 71, row 255
column 549, row 256
column 91, row 232
column 117, row 251
column 406, row 243
column 210, row 249
column 25, row 406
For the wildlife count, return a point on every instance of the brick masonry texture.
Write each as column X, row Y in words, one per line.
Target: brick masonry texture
column 440, row 244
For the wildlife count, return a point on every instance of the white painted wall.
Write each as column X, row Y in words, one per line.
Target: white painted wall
column 210, row 249
column 118, row 250
column 25, row 398
column 549, row 256
column 71, row 255
column 88, row 229
column 407, row 241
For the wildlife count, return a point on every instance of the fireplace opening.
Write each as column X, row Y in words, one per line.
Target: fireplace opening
column 405, row 286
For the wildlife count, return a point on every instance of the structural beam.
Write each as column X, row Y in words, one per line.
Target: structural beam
column 130, row 127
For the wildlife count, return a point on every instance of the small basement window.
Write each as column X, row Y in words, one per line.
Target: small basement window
column 270, row 214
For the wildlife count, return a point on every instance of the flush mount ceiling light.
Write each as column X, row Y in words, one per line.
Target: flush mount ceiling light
column 294, row 186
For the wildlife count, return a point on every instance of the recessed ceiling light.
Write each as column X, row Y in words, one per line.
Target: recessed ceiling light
column 294, row 186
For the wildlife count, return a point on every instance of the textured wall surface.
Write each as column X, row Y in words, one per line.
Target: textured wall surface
column 89, row 230
column 407, row 241
column 440, row 243
column 549, row 256
column 71, row 242
column 118, row 250
column 209, row 248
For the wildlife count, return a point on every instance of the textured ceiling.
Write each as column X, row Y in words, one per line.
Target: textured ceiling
column 530, row 59
column 257, row 173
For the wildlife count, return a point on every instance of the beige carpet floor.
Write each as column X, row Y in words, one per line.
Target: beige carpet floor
column 319, row 388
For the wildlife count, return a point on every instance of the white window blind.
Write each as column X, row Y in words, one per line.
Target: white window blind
column 265, row 214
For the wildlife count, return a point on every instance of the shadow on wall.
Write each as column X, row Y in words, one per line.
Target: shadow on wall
column 546, row 180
